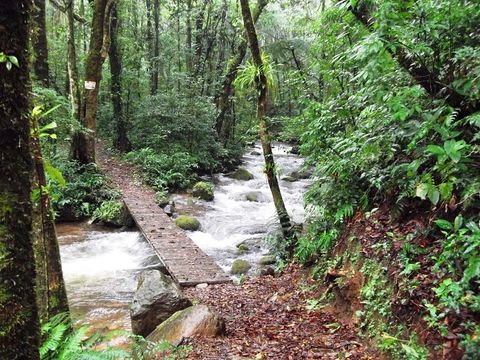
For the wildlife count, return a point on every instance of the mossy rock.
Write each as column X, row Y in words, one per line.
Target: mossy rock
column 252, row 196
column 187, row 223
column 289, row 178
column 267, row 260
column 112, row 213
column 240, row 267
column 203, row 190
column 242, row 249
column 241, row 174
column 162, row 199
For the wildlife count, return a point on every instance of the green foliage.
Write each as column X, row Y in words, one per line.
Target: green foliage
column 173, row 124
column 162, row 171
column 84, row 191
column 62, row 342
column 245, row 82
column 110, row 212
column 203, row 190
column 9, row 60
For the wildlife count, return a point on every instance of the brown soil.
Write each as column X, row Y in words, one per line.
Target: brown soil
column 267, row 318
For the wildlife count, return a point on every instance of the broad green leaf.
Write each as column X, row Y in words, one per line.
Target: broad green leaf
column 422, row 191
column 444, row 224
column 433, row 194
column 52, row 125
column 445, row 190
column 458, row 222
column 54, row 174
column 13, row 59
column 435, row 150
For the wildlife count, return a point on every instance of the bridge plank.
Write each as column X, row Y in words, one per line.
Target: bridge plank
column 184, row 260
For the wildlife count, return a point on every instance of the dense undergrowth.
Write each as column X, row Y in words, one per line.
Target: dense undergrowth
column 378, row 140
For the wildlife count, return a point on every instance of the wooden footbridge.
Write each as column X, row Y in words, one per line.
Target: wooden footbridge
column 184, row 260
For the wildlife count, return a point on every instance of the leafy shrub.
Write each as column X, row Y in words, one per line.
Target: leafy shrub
column 63, row 342
column 173, row 123
column 162, row 171
column 85, row 190
column 110, row 212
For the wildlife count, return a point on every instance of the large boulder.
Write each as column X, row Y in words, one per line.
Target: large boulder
column 196, row 321
column 241, row 174
column 187, row 223
column 156, row 299
column 203, row 190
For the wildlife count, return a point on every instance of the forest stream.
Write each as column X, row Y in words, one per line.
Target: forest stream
column 100, row 264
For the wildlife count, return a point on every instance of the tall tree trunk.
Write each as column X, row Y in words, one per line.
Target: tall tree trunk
column 50, row 286
column 39, row 43
column 262, row 88
column 223, row 125
column 74, row 88
column 121, row 141
column 84, row 142
column 188, row 39
column 19, row 327
column 156, row 46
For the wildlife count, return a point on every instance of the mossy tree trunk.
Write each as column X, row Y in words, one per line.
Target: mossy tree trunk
column 39, row 40
column 74, row 89
column 121, row 141
column 50, row 286
column 19, row 327
column 224, row 122
column 83, row 145
column 262, row 90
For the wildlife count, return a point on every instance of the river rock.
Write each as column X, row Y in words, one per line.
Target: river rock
column 187, row 223
column 267, row 260
column 157, row 297
column 242, row 248
column 241, row 174
column 240, row 267
column 195, row 321
column 203, row 190
column 169, row 210
column 289, row 178
column 255, row 153
column 295, row 150
column 252, row 196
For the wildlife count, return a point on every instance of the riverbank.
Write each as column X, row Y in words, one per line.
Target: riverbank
column 277, row 317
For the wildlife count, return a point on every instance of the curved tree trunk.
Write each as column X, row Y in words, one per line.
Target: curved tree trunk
column 83, row 146
column 19, row 328
column 262, row 89
column 224, row 123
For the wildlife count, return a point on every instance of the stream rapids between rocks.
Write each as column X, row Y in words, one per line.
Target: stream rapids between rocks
column 100, row 265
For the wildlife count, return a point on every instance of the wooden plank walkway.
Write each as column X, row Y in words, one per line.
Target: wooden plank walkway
column 185, row 261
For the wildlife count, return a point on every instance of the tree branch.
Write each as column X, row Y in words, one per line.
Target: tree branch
column 64, row 8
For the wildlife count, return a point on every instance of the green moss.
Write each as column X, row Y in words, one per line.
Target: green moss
column 242, row 249
column 162, row 198
column 240, row 267
column 376, row 295
column 187, row 223
column 241, row 174
column 203, row 190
